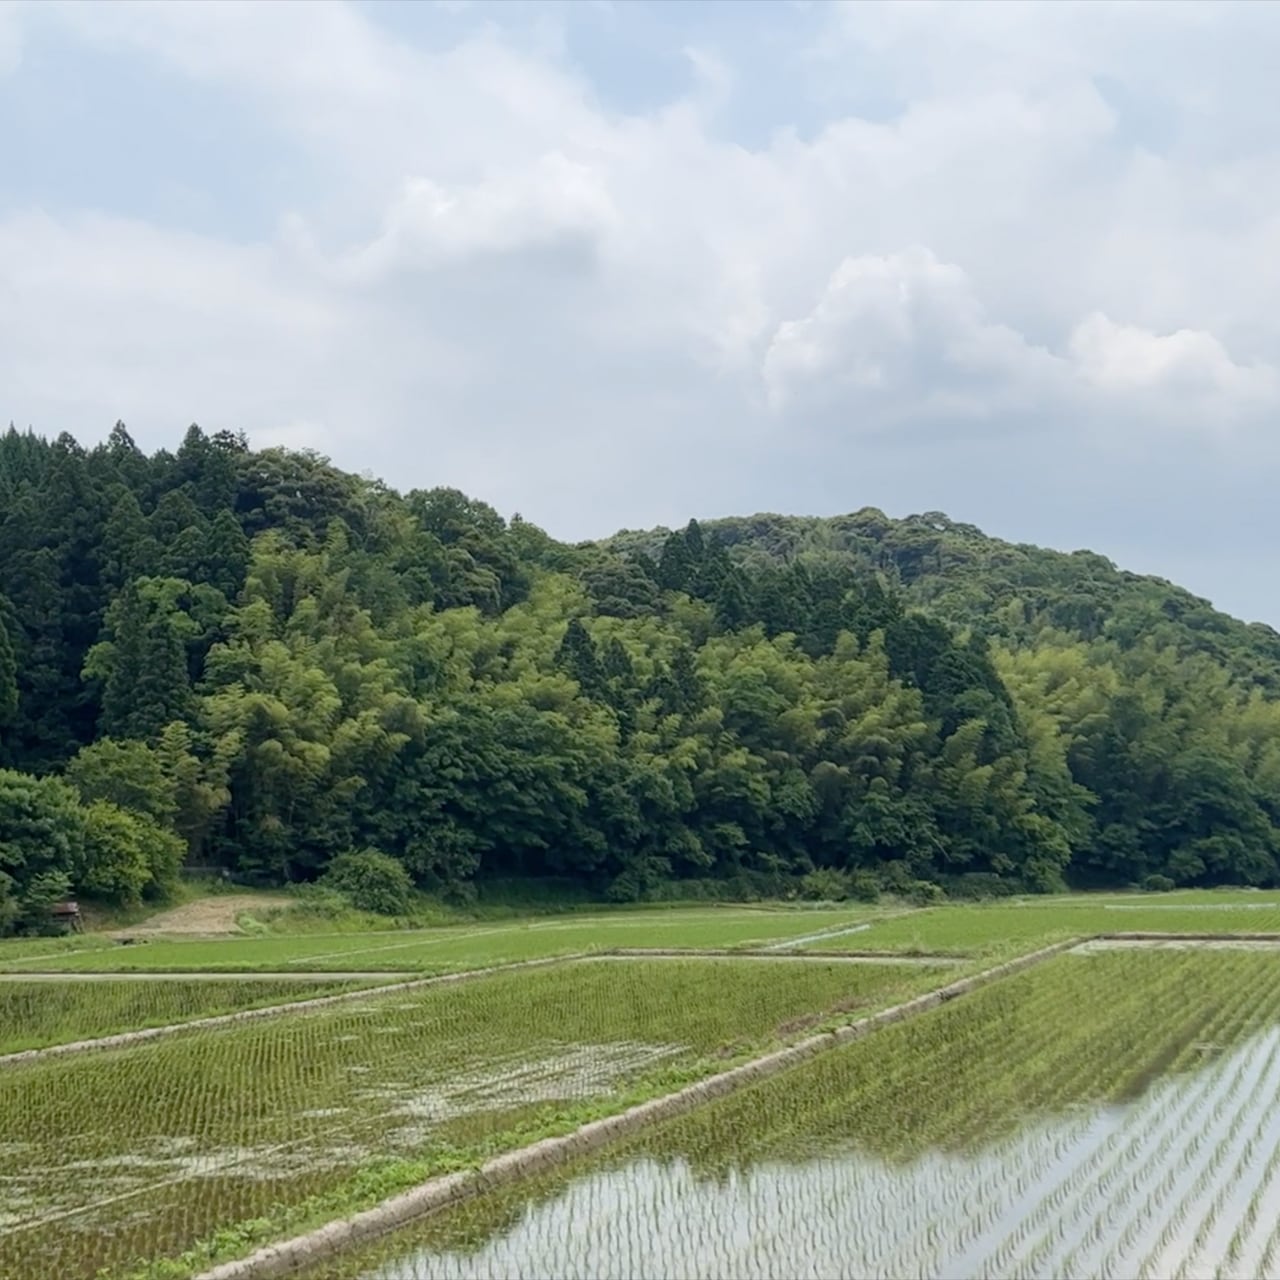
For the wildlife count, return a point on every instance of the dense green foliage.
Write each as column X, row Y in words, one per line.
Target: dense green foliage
column 279, row 663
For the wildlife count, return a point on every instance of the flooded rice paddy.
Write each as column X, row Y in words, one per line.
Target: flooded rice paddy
column 1111, row 1114
column 113, row 1159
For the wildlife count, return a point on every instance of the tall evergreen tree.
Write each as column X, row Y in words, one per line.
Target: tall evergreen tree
column 578, row 657
column 8, row 675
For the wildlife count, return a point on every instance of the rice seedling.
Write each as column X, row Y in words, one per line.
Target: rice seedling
column 996, row 929
column 245, row 1120
column 1101, row 1116
column 450, row 947
column 34, row 1014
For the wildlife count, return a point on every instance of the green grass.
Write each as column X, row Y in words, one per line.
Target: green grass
column 35, row 1014
column 441, row 949
column 995, row 930
column 246, row 1120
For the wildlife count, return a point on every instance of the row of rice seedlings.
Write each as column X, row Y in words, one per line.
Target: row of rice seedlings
column 36, row 1014
column 890, row 1216
column 1266, row 1001
column 455, row 946
column 893, row 1069
column 1070, row 1070
column 1146, row 1204
column 216, row 1126
column 876, row 1200
column 1142, row 1144
column 949, row 1214
column 999, row 928
column 1215, row 1230
column 1251, row 1252
column 1226, row 1127
column 1027, row 1013
column 1270, row 1259
column 1045, row 1082
column 1224, row 1082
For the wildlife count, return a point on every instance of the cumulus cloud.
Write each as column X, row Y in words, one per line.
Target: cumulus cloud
column 556, row 202
column 893, row 332
column 1190, row 362
column 903, row 337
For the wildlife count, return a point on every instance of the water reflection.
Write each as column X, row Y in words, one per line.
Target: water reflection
column 1183, row 1180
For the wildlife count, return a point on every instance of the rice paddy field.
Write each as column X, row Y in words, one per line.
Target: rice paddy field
column 113, row 1158
column 1109, row 1113
column 38, row 1013
column 994, row 930
column 1112, row 1109
column 439, row 950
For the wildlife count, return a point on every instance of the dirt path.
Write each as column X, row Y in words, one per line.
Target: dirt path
column 212, row 915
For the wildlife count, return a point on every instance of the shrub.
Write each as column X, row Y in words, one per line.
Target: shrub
column 1158, row 884
column 127, row 854
column 979, row 885
column 896, row 876
column 924, row 893
column 371, row 881
column 826, row 884
column 864, row 886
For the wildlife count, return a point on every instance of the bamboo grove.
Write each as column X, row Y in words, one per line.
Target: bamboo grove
column 255, row 662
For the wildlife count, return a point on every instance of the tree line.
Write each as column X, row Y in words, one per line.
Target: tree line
column 254, row 661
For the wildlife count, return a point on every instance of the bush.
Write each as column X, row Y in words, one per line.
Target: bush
column 1158, row 884
column 924, row 893
column 864, row 886
column 896, row 876
column 371, row 881
column 826, row 884
column 979, row 885
column 127, row 854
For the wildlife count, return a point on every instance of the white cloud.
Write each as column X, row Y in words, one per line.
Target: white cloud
column 1124, row 358
column 10, row 38
column 893, row 332
column 495, row 278
column 901, row 337
column 554, row 202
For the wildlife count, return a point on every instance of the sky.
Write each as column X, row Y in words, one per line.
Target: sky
column 615, row 265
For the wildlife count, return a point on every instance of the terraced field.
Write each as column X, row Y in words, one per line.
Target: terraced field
column 1106, row 1114
column 1109, row 1111
column 35, row 1014
column 443, row 949
column 999, row 929
column 115, row 1157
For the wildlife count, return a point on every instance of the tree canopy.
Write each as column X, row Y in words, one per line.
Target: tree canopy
column 254, row 660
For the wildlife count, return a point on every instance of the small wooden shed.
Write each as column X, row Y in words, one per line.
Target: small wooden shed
column 68, row 915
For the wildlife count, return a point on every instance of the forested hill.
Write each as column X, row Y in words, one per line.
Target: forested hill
column 254, row 660
column 1013, row 592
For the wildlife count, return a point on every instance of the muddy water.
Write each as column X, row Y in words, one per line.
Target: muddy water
column 1183, row 1181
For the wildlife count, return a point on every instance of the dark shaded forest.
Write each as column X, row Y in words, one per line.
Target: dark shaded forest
column 253, row 661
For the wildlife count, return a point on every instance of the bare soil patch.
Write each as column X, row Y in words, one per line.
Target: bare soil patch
column 213, row 915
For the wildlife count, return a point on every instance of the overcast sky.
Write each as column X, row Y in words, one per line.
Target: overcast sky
column 613, row 265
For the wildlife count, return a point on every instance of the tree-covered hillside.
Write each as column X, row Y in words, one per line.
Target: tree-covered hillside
column 256, row 661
